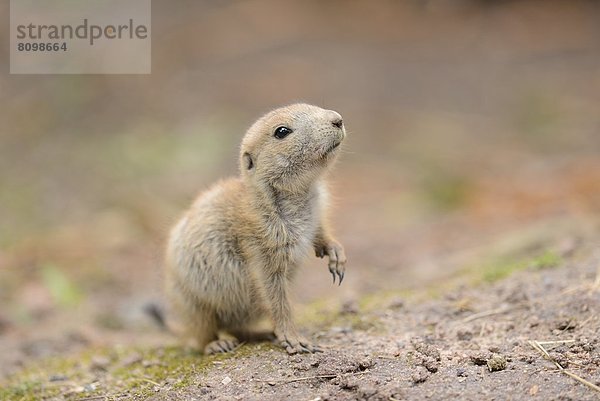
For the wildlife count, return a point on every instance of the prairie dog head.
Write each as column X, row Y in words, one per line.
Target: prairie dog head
column 290, row 147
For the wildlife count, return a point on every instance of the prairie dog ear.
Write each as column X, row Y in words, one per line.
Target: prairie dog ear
column 248, row 161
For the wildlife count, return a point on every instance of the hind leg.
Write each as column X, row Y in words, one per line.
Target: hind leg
column 232, row 342
column 205, row 333
column 200, row 325
column 203, row 328
column 221, row 345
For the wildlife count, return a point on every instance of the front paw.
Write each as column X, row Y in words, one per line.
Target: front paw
column 295, row 344
column 337, row 260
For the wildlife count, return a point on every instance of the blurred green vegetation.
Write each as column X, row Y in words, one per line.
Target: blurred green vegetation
column 63, row 291
column 504, row 267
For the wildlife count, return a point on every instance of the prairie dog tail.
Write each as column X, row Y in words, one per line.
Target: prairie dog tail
column 157, row 314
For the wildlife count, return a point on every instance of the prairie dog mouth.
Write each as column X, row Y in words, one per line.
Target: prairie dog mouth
column 332, row 147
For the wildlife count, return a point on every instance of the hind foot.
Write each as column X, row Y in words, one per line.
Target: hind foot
column 221, row 346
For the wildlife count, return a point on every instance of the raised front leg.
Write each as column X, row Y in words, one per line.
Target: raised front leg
column 325, row 245
column 285, row 330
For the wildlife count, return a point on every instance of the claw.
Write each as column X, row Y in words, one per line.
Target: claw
column 309, row 347
column 341, row 275
column 332, row 274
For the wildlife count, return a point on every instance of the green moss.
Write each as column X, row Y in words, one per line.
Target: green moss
column 27, row 390
column 320, row 313
column 500, row 270
column 132, row 371
column 33, row 383
column 63, row 290
column 323, row 314
column 505, row 267
column 548, row 259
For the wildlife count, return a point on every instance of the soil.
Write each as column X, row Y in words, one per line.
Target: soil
column 472, row 343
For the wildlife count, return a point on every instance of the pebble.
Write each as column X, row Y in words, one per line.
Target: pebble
column 496, row 363
column 99, row 363
column 419, row 375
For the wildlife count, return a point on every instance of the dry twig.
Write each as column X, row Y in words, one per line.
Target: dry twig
column 298, row 379
column 479, row 315
column 538, row 346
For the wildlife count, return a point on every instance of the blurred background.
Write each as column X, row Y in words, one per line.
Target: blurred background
column 474, row 132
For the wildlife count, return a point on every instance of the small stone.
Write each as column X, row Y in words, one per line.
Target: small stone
column 527, row 358
column 464, row 335
column 349, row 308
column 348, row 384
column 147, row 363
column 396, row 393
column 566, row 324
column 430, row 364
column 57, row 378
column 99, row 363
column 302, row 367
column 534, row 389
column 365, row 363
column 131, row 360
column 419, row 375
column 479, row 358
column 341, row 330
column 77, row 390
column 396, row 303
column 561, row 359
column 427, row 350
column 226, row 380
column 461, row 372
column 496, row 363
column 367, row 392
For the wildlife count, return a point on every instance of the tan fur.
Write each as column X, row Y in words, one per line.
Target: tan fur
column 231, row 258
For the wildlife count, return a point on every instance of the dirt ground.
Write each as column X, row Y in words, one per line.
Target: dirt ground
column 472, row 339
column 473, row 344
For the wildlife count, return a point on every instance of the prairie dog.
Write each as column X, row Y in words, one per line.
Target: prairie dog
column 232, row 256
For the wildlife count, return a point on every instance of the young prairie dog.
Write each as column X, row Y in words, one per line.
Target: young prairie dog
column 232, row 256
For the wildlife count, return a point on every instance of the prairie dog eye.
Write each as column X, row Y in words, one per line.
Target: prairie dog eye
column 282, row 132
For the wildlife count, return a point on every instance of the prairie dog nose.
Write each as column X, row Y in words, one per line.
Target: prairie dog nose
column 336, row 119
